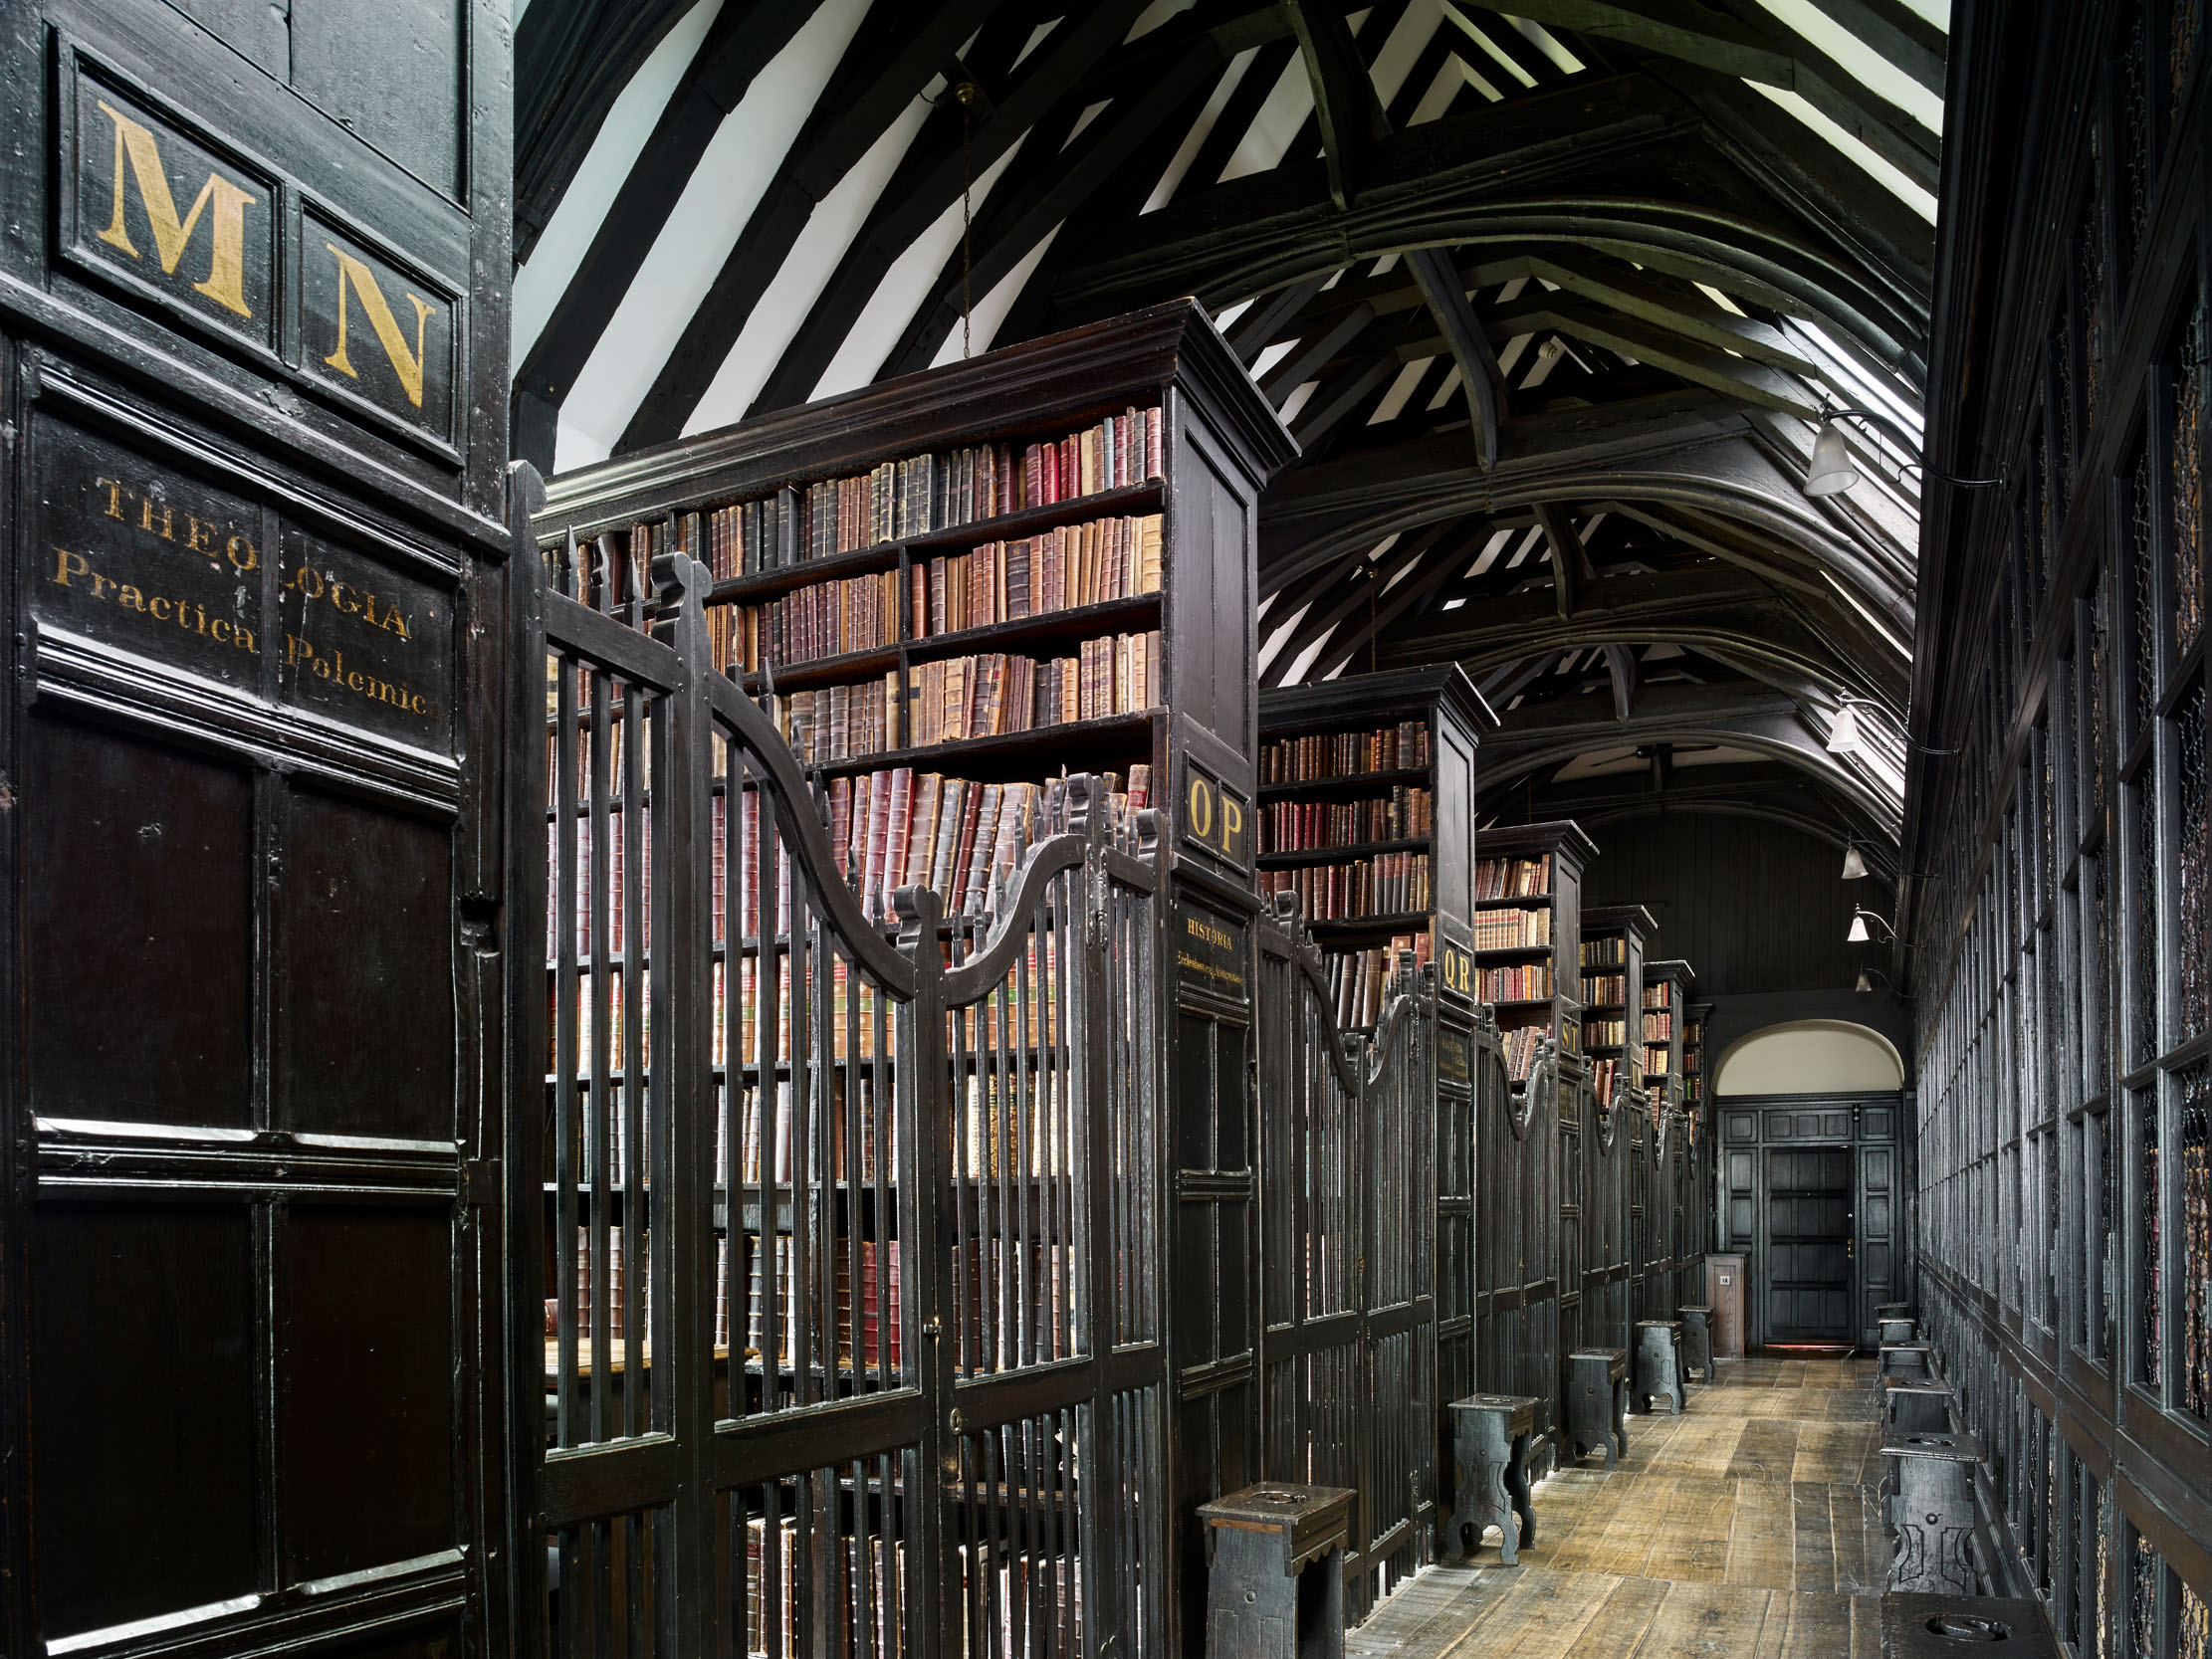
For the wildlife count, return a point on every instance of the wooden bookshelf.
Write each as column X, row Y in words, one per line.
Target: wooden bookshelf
column 1612, row 961
column 1368, row 773
column 1526, row 921
column 890, row 576
column 1697, row 1014
column 1667, row 986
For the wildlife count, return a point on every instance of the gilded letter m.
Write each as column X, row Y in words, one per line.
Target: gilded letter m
column 226, row 263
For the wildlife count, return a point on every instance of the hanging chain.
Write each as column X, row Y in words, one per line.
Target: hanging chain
column 966, row 91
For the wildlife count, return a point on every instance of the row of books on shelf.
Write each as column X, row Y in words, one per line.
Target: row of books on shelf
column 1328, row 755
column 1511, row 930
column 1659, row 1027
column 1658, row 996
column 1602, row 1075
column 1656, row 1062
column 1512, row 878
column 1056, row 570
column 926, row 493
column 1359, row 981
column 1028, row 1585
column 1604, row 1033
column 1606, row 952
column 866, row 1572
column 1388, row 884
column 829, row 619
column 1604, row 987
column 1519, row 1044
column 1406, row 813
column 1003, row 581
column 899, row 828
column 1528, row 983
column 990, row 694
column 830, row 1324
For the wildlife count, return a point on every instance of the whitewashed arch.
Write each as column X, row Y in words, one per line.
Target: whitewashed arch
column 1810, row 1057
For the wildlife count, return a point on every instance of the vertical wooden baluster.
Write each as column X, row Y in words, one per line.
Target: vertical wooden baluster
column 599, row 1161
column 567, row 1131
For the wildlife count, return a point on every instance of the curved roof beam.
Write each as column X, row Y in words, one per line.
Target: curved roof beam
column 1687, row 451
column 1571, row 161
column 1540, row 737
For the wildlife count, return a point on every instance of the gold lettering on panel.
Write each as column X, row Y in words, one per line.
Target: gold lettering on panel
column 356, row 277
column 138, row 150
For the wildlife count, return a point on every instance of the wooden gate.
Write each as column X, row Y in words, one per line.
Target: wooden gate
column 1608, row 1167
column 1517, row 1263
column 1348, row 1259
column 847, row 1225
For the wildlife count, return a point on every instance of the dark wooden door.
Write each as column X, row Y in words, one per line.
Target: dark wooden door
column 1809, row 1247
column 252, row 346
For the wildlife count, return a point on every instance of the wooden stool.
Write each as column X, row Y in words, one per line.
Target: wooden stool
column 1490, row 1434
column 1698, row 1341
column 1659, row 1364
column 1913, row 1406
column 1598, row 1402
column 1892, row 1310
column 1933, row 1512
column 1905, row 1359
column 1276, row 1572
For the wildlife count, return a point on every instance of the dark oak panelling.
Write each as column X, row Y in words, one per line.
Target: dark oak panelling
column 1758, row 908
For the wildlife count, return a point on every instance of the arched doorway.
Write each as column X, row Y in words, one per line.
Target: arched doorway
column 1810, row 1118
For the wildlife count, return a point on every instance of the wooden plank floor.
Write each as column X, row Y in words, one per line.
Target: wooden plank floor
column 1745, row 1527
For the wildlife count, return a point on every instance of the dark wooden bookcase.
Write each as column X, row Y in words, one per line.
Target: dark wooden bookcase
column 1526, row 1245
column 1184, row 1402
column 1669, row 1245
column 1612, row 1138
column 1535, row 930
column 1320, row 812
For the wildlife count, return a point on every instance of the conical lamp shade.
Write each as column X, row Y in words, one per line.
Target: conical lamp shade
column 1854, row 863
column 1843, row 736
column 1857, row 933
column 1866, row 982
column 1831, row 473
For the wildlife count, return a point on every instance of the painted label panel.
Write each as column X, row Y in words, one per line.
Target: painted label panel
column 143, row 557
column 1217, row 819
column 374, row 331
column 1211, row 951
column 167, row 211
column 364, row 644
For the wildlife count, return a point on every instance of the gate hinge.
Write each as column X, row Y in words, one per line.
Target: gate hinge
column 479, row 1181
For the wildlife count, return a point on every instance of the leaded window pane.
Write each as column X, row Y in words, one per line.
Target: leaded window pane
column 2192, row 971
column 2193, row 1317
column 2187, row 421
column 2151, row 1367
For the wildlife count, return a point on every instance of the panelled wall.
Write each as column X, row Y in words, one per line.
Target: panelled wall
column 2065, row 1207
column 1757, row 906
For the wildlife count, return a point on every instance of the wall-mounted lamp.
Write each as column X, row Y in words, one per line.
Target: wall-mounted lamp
column 1833, row 469
column 1855, row 862
column 1860, row 917
column 1868, row 977
column 1843, row 732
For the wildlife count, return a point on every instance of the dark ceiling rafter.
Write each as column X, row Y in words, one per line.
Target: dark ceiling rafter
column 1550, row 313
column 873, row 83
column 1755, row 46
column 1540, row 737
column 881, row 72
column 1351, row 120
column 571, row 61
column 929, row 181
